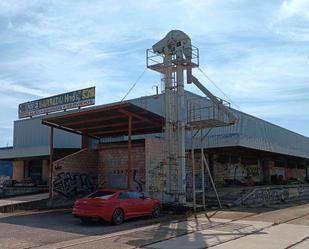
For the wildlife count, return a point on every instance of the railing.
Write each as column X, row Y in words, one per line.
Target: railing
column 206, row 113
column 154, row 60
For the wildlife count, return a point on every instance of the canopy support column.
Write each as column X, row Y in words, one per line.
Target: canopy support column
column 129, row 151
column 85, row 142
column 51, row 159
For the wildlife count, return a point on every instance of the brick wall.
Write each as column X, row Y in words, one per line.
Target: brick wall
column 113, row 165
column 155, row 166
column 220, row 173
column 76, row 175
column 238, row 172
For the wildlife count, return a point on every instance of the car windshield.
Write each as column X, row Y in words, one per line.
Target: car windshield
column 102, row 195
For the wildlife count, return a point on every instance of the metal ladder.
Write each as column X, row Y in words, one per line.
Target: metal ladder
column 204, row 165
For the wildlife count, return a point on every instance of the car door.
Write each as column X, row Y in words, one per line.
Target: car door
column 137, row 203
column 146, row 204
column 126, row 204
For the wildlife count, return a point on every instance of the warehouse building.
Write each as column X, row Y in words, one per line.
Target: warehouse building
column 90, row 150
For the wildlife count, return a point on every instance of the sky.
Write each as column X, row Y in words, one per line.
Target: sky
column 255, row 51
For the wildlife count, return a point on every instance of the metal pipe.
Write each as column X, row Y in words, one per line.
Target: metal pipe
column 212, row 181
column 181, row 133
column 169, row 145
column 233, row 119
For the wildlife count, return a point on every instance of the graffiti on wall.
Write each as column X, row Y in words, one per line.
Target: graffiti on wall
column 156, row 176
column 236, row 172
column 303, row 191
column 276, row 194
column 242, row 173
column 265, row 195
column 74, row 184
column 118, row 179
column 3, row 179
column 198, row 183
column 138, row 179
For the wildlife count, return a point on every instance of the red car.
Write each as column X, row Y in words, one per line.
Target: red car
column 115, row 206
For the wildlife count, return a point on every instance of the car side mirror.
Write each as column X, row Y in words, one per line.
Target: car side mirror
column 143, row 197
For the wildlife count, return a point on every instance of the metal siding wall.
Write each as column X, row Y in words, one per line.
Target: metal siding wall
column 251, row 132
column 259, row 134
column 31, row 133
column 6, row 168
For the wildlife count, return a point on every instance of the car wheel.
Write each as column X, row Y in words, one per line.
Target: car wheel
column 86, row 220
column 156, row 211
column 118, row 216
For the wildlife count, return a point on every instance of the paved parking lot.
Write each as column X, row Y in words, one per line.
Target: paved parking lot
column 251, row 228
column 31, row 229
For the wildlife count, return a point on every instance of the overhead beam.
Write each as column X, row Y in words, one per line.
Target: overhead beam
column 132, row 114
column 44, row 122
column 78, row 113
column 90, row 128
column 94, row 120
column 124, row 131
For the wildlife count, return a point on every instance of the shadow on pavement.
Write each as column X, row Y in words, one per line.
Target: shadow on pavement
column 64, row 221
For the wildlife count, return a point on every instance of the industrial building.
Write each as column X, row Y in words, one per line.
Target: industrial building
column 250, row 153
column 178, row 146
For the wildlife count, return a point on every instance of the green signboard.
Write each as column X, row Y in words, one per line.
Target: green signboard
column 79, row 98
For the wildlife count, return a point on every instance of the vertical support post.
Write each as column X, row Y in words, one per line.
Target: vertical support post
column 181, row 121
column 169, row 118
column 193, row 170
column 261, row 173
column 212, row 181
column 51, row 159
column 85, row 141
column 203, row 170
column 129, row 150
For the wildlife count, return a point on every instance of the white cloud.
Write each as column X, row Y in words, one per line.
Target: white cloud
column 291, row 8
column 256, row 53
column 7, row 87
column 292, row 20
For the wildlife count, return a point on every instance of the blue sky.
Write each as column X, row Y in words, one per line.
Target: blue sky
column 256, row 52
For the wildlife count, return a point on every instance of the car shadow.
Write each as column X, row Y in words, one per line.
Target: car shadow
column 64, row 221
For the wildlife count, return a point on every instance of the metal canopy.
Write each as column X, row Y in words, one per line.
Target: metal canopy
column 124, row 119
column 108, row 121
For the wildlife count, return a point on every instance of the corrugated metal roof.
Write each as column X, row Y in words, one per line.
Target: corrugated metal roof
column 24, row 152
column 110, row 121
column 250, row 132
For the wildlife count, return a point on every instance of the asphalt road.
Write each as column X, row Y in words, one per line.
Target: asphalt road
column 283, row 227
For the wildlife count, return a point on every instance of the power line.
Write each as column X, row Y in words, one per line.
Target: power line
column 134, row 84
column 211, row 81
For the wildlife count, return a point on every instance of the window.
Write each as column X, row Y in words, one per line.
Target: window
column 123, row 196
column 134, row 195
column 102, row 195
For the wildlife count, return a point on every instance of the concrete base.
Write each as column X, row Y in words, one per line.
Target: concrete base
column 16, row 191
column 259, row 195
column 22, row 202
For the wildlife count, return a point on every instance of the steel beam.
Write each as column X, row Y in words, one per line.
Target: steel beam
column 94, row 120
column 129, row 151
column 51, row 160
